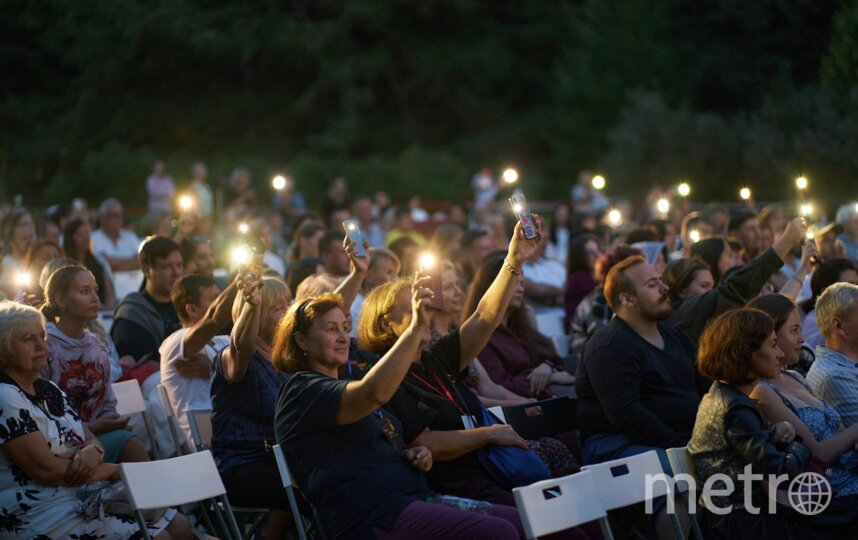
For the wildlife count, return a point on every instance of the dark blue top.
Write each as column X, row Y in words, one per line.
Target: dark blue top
column 355, row 476
column 243, row 413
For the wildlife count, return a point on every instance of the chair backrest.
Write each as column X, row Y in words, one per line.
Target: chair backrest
column 681, row 463
column 497, row 410
column 543, row 418
column 129, row 398
column 624, row 481
column 557, row 504
column 165, row 400
column 171, row 482
column 561, row 343
column 550, row 324
column 283, row 467
column 200, row 422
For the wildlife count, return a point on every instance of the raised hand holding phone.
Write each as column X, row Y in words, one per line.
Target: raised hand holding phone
column 522, row 211
column 354, row 233
column 430, row 267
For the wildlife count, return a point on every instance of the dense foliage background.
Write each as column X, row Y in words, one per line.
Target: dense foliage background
column 416, row 95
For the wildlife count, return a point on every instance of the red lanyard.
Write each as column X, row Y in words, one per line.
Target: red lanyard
column 446, row 392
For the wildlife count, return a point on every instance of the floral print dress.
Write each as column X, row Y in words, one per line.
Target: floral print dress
column 31, row 510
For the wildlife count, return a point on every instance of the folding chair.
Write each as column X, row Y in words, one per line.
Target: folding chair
column 129, row 400
column 561, row 343
column 200, row 422
column 623, row 482
column 558, row 504
column 681, row 463
column 302, row 522
column 172, row 421
column 543, row 418
column 497, row 410
column 174, row 482
column 550, row 324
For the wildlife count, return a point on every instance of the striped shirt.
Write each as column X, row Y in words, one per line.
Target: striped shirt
column 834, row 378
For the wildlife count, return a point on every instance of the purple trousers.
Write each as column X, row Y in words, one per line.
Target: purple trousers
column 423, row 520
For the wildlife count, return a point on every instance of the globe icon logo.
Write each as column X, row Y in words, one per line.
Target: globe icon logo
column 809, row 493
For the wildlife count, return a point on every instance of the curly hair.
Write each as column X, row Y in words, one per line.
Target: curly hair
column 287, row 356
column 729, row 342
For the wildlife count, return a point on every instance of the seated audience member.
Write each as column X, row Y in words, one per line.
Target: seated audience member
column 407, row 251
column 744, row 226
column 403, row 225
column 18, row 232
column 187, row 354
column 581, row 264
column 79, row 361
column 244, row 388
column 594, row 312
column 305, row 241
column 383, row 267
column 302, row 269
column 118, row 246
column 560, row 233
column 39, row 254
column 197, row 256
column 693, row 222
column 345, row 450
column 847, row 216
column 833, row 376
column 826, row 274
column 47, row 453
column 143, row 319
column 544, row 282
column 719, row 255
column 369, row 225
column 788, row 398
column 477, row 243
column 739, row 348
column 687, row 277
column 692, row 313
column 446, row 238
column 335, row 256
column 429, row 417
column 77, row 246
column 517, row 356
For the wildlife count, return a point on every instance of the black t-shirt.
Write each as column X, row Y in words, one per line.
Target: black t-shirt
column 422, row 402
column 353, row 475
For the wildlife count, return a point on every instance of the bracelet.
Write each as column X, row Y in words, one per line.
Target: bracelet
column 549, row 363
column 800, row 281
column 98, row 449
column 511, row 269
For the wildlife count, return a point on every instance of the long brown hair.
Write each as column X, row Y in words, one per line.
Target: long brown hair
column 519, row 322
column 58, row 283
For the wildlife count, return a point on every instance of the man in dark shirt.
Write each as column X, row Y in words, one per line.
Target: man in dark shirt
column 143, row 319
column 638, row 388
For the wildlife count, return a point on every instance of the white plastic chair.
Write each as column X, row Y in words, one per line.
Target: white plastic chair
column 681, row 463
column 561, row 343
column 558, row 504
column 623, row 482
column 550, row 324
column 497, row 410
column 129, row 400
column 301, row 521
column 172, row 421
column 200, row 422
column 174, row 482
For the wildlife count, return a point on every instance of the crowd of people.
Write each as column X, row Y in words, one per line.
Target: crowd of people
column 373, row 359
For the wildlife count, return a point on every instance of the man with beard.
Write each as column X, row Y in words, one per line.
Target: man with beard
column 637, row 386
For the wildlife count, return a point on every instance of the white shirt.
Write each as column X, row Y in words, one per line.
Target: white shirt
column 546, row 271
column 186, row 394
column 125, row 246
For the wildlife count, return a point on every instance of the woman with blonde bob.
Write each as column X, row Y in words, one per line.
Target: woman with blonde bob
column 244, row 392
column 345, row 450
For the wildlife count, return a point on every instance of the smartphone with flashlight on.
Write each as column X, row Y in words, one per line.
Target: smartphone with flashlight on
column 244, row 258
column 353, row 232
column 522, row 212
column 430, row 266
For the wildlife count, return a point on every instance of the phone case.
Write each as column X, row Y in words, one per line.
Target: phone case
column 353, row 231
column 522, row 212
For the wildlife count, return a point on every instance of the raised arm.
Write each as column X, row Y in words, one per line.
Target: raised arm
column 361, row 398
column 242, row 341
column 793, row 286
column 215, row 319
column 350, row 287
column 476, row 331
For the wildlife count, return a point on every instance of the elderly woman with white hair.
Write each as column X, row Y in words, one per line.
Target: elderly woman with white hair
column 833, row 376
column 47, row 453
